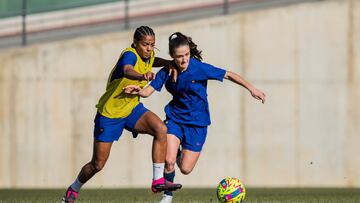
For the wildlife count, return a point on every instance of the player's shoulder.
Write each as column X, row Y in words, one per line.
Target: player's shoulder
column 129, row 53
column 128, row 57
column 197, row 65
column 195, row 61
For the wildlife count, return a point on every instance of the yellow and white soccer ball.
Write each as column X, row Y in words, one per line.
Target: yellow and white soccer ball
column 231, row 190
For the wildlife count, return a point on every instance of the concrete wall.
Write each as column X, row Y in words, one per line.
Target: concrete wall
column 305, row 57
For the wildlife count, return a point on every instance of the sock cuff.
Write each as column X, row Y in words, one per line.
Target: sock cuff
column 158, row 170
column 78, row 181
column 159, row 164
column 165, row 173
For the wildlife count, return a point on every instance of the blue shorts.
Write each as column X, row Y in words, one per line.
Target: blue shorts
column 110, row 129
column 191, row 137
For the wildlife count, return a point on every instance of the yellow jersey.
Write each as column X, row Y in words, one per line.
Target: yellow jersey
column 114, row 103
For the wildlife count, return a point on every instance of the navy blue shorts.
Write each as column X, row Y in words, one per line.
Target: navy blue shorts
column 191, row 137
column 110, row 129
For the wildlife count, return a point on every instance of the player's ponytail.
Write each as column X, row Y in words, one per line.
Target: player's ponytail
column 178, row 39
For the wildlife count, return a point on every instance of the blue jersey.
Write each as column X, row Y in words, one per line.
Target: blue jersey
column 189, row 104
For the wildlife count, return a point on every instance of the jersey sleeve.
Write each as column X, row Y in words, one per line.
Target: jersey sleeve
column 212, row 72
column 160, row 79
column 128, row 58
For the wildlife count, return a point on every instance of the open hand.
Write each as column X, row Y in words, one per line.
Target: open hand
column 132, row 89
column 257, row 94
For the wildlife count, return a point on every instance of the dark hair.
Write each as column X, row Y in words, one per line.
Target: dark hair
column 178, row 39
column 140, row 32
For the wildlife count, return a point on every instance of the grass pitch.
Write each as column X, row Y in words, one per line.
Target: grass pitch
column 253, row 195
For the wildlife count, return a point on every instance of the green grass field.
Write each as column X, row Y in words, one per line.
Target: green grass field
column 254, row 195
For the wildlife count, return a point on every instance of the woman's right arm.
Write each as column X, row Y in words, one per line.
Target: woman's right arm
column 130, row 73
column 136, row 90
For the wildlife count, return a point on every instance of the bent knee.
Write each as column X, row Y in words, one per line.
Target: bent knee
column 98, row 165
column 186, row 171
column 160, row 131
column 170, row 165
column 170, row 162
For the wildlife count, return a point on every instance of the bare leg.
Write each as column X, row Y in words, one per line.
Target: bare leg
column 188, row 158
column 172, row 148
column 101, row 152
column 188, row 161
column 150, row 123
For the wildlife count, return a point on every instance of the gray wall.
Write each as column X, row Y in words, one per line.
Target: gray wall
column 305, row 57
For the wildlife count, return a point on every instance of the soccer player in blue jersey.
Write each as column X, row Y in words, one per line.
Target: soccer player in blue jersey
column 187, row 114
column 117, row 110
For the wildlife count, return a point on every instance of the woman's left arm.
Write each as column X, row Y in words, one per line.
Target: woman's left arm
column 236, row 78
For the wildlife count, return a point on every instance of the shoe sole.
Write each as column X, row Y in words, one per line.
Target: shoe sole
column 173, row 187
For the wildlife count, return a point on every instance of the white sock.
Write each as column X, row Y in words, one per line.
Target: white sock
column 76, row 185
column 166, row 199
column 158, row 170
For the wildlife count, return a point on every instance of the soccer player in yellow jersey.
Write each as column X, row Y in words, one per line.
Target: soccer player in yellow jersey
column 117, row 110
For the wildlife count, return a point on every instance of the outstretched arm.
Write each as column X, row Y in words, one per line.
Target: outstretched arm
column 136, row 90
column 236, row 78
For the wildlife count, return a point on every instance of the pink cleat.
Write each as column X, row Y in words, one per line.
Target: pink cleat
column 70, row 196
column 161, row 184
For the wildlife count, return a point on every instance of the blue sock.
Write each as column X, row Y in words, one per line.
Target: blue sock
column 169, row 177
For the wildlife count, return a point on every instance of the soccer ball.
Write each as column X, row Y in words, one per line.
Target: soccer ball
column 231, row 190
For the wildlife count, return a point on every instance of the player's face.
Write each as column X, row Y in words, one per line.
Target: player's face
column 181, row 56
column 145, row 46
